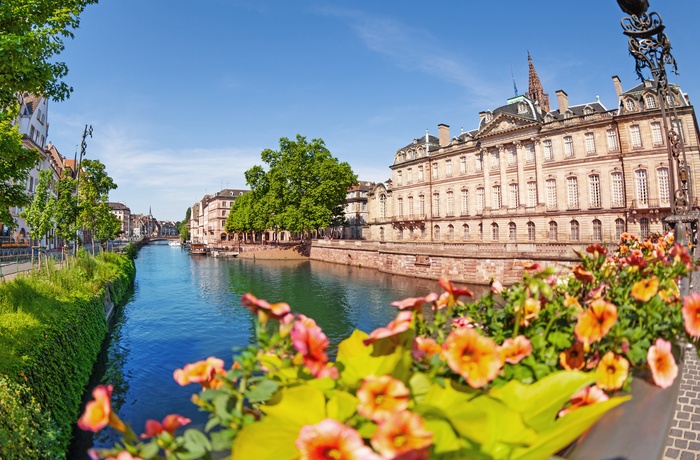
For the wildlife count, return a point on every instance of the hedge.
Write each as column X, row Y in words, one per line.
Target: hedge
column 52, row 325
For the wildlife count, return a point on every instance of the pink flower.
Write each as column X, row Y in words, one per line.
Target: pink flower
column 396, row 327
column 662, row 363
column 98, row 412
column 403, row 436
column 124, row 455
column 462, row 321
column 202, row 372
column 424, row 347
column 309, row 340
column 170, row 423
column 691, row 314
column 415, row 303
column 330, row 439
column 264, row 309
column 515, row 350
column 496, row 287
column 585, row 397
column 380, row 397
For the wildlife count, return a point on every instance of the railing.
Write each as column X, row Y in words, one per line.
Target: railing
column 650, row 204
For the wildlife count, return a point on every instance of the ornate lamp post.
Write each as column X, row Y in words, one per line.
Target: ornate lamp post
column 651, row 49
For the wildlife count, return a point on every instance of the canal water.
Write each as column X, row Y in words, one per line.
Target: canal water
column 186, row 308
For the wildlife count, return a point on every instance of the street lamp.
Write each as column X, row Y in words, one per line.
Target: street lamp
column 651, row 49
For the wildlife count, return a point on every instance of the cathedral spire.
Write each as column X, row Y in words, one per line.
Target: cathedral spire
column 535, row 90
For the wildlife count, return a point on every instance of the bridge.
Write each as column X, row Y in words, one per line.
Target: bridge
column 151, row 239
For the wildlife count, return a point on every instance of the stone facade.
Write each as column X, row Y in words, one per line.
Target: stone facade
column 123, row 213
column 577, row 174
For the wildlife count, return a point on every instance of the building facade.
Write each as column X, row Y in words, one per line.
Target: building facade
column 208, row 218
column 356, row 210
column 123, row 213
column 576, row 174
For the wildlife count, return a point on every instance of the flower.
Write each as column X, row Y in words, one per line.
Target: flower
column 309, row 340
column 170, row 423
column 612, row 371
column 515, row 350
column 454, row 292
column 462, row 321
column 532, row 266
column 691, row 314
column 400, row 324
column 415, row 303
column 597, row 250
column 679, row 253
column 424, row 347
column 202, row 372
column 645, row 289
column 474, row 357
column 264, row 309
column 496, row 287
column 124, row 455
column 583, row 275
column 584, row 397
column 531, row 309
column 98, row 412
column 595, row 322
column 380, row 397
column 331, row 440
column 573, row 358
column 403, row 436
column 662, row 363
column 570, row 301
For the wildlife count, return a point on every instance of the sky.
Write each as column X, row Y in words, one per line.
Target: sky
column 183, row 95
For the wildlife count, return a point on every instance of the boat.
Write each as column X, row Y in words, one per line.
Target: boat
column 174, row 244
column 198, row 249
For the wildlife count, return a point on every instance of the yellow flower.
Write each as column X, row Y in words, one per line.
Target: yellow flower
column 595, row 322
column 644, row 290
column 612, row 372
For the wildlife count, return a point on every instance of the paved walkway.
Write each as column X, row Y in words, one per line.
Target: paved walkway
column 683, row 441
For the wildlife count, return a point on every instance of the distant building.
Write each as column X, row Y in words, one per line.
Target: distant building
column 356, row 210
column 123, row 213
column 208, row 218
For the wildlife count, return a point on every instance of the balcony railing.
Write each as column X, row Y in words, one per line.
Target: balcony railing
column 650, row 204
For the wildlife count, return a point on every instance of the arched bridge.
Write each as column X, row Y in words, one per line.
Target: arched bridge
column 151, row 239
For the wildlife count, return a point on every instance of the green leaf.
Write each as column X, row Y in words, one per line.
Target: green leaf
column 262, row 391
column 356, row 362
column 444, row 437
column 196, row 443
column 420, row 385
column 341, row 406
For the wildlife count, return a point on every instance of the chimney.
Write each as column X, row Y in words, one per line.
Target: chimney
column 563, row 101
column 618, row 85
column 444, row 134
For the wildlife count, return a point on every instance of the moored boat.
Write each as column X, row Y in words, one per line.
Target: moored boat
column 198, row 249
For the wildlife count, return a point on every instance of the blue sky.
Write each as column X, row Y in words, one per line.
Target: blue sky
column 183, row 95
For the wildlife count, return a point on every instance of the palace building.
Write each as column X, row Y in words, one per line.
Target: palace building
column 532, row 174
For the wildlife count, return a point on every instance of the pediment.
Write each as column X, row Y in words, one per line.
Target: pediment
column 504, row 123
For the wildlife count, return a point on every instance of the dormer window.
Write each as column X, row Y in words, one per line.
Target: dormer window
column 588, row 110
column 671, row 100
column 488, row 117
column 549, row 118
column 650, row 101
column 568, row 114
column 630, row 105
column 522, row 108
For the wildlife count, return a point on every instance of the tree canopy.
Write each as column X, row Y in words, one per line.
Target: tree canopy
column 39, row 214
column 94, row 185
column 303, row 189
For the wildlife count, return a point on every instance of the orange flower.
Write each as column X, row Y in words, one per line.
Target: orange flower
column 583, row 275
column 264, row 309
column 532, row 266
column 98, row 412
column 396, row 327
column 585, row 397
column 691, row 314
column 380, row 397
column 424, row 347
column 595, row 322
column 415, row 303
column 202, row 372
column 623, row 249
column 310, row 341
column 331, row 440
column 573, row 358
column 531, row 310
column 662, row 363
column 645, row 289
column 403, row 436
column 680, row 253
column 170, row 423
column 476, row 358
column 454, row 292
column 515, row 350
column 570, row 301
column 597, row 250
column 612, row 372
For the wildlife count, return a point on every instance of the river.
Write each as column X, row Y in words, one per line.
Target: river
column 186, row 308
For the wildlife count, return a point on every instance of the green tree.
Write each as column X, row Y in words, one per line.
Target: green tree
column 39, row 214
column 184, row 227
column 31, row 36
column 65, row 208
column 303, row 188
column 94, row 185
column 107, row 225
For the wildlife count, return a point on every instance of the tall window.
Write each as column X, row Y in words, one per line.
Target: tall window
column 409, row 175
column 635, row 136
column 480, row 200
column 479, row 161
column 465, row 202
column 657, row 137
column 496, row 197
column 568, row 146
column 640, row 177
column 450, row 232
column 590, row 143
column 619, row 228
column 399, row 203
column 399, row 234
column 617, row 189
column 494, row 231
column 450, row 203
column 575, row 230
column 644, row 227
column 481, row 232
column 529, row 153
column 650, row 101
column 613, row 143
column 513, row 195
column 512, row 157
column 421, row 205
column 382, row 206
column 531, row 194
column 448, row 168
column 678, row 128
column 551, row 194
column 410, row 205
column 465, row 231
column 553, row 230
column 531, row 231
column 463, row 165
column 548, row 150
column 421, row 178
column 594, row 191
column 512, row 232
column 572, row 192
column 436, row 233
column 436, row 204
column 597, row 230
column 495, row 159
column 435, row 170
column 664, row 194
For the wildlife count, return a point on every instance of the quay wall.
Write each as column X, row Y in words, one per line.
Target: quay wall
column 474, row 263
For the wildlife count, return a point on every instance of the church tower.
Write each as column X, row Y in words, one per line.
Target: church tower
column 535, row 90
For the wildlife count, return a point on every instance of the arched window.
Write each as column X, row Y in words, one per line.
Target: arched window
column 465, row 231
column 619, row 228
column 494, row 231
column 436, row 233
column 650, row 101
column 481, row 232
column 597, row 230
column 553, row 230
column 531, row 231
column 575, row 230
column 381, row 233
column 644, row 227
column 512, row 232
column 450, row 232
column 382, row 206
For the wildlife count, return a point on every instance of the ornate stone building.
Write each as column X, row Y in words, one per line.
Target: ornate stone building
column 527, row 174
